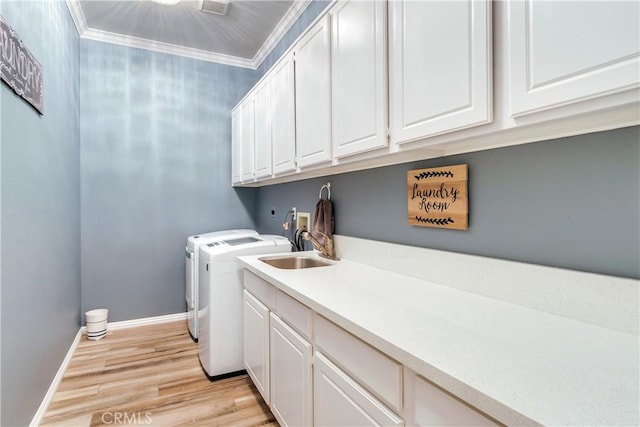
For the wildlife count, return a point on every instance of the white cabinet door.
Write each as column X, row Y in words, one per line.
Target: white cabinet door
column 439, row 68
column 236, row 153
column 339, row 401
column 247, row 139
column 313, row 95
column 291, row 388
column 262, row 99
column 359, row 76
column 561, row 52
column 283, row 116
column 256, row 343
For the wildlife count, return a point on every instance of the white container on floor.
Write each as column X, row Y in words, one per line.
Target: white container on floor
column 96, row 323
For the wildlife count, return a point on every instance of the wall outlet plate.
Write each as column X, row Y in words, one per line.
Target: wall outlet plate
column 303, row 220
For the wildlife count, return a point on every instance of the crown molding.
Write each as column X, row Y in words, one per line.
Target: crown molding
column 78, row 16
column 281, row 29
column 140, row 43
column 154, row 46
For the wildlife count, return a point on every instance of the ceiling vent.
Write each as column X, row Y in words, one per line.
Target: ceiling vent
column 217, row 7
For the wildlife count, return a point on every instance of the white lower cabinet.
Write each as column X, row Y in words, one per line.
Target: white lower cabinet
column 291, row 400
column 256, row 343
column 380, row 374
column 339, row 401
column 337, row 379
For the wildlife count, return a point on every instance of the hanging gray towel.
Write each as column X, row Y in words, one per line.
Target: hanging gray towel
column 323, row 222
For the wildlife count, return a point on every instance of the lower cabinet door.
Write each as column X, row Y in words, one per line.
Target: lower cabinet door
column 339, row 401
column 256, row 343
column 291, row 389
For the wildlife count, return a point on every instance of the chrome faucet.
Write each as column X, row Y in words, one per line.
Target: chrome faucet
column 327, row 250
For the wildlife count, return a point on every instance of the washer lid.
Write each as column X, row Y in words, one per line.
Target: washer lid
column 229, row 249
column 200, row 239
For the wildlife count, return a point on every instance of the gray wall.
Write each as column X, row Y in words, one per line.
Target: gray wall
column 40, row 214
column 571, row 203
column 155, row 168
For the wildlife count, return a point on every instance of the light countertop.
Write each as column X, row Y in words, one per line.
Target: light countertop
column 519, row 365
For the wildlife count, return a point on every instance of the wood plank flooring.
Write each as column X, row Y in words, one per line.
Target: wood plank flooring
column 150, row 375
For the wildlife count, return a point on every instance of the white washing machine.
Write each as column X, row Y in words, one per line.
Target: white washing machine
column 192, row 252
column 220, row 343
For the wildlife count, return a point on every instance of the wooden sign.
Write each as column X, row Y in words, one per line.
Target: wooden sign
column 19, row 68
column 437, row 197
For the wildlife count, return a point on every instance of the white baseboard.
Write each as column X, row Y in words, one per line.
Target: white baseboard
column 37, row 418
column 124, row 324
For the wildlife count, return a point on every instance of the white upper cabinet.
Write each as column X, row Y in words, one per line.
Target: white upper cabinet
column 247, row 139
column 262, row 160
column 283, row 116
column 359, row 76
column 562, row 52
column 440, row 76
column 236, row 167
column 313, row 95
column 376, row 82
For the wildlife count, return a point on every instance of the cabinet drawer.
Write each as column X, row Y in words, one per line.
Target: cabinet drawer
column 434, row 407
column 294, row 313
column 340, row 401
column 259, row 288
column 376, row 371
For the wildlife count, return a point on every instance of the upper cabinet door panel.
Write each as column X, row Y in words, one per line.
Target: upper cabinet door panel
column 562, row 52
column 313, row 95
column 247, row 139
column 440, row 67
column 262, row 130
column 236, row 160
column 359, row 64
column 283, row 117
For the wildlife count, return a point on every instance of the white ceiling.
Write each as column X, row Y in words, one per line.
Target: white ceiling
column 243, row 37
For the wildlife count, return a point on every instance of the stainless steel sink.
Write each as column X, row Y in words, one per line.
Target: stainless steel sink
column 294, row 262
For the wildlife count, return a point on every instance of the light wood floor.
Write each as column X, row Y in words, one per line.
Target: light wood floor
column 150, row 376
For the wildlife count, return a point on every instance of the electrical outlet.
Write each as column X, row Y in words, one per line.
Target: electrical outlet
column 304, row 220
column 294, row 210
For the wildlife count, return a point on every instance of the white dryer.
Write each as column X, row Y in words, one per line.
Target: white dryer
column 192, row 252
column 220, row 345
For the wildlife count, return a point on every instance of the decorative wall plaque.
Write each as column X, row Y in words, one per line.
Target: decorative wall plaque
column 19, row 68
column 437, row 197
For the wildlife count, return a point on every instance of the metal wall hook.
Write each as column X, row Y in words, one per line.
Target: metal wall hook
column 328, row 187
